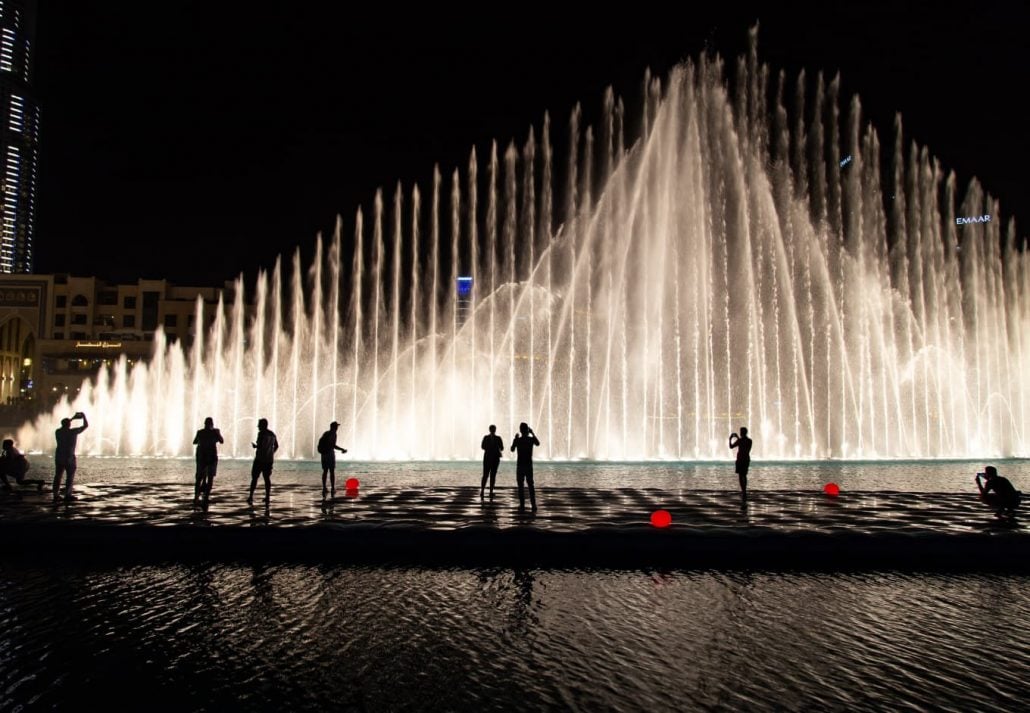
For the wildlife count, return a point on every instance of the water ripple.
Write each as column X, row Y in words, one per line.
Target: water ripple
column 262, row 636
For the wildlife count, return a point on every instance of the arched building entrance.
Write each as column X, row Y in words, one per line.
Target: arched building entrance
column 17, row 361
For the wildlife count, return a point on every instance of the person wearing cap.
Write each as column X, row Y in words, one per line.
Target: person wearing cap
column 327, row 449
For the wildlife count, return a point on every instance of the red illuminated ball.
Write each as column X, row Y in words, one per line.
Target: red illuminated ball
column 352, row 484
column 350, row 493
column 831, row 489
column 661, row 518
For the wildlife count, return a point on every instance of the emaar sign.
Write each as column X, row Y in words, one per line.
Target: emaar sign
column 975, row 219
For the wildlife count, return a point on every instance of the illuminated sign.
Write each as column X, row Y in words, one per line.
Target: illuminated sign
column 98, row 345
column 464, row 286
column 974, row 219
column 846, row 161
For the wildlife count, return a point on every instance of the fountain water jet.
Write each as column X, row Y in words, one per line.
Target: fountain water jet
column 719, row 268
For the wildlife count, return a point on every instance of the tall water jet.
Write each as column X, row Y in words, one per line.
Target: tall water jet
column 639, row 296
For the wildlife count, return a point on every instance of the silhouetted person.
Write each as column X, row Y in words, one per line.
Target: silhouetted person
column 13, row 464
column 493, row 449
column 327, row 448
column 998, row 493
column 523, row 443
column 206, row 441
column 743, row 445
column 64, row 456
column 264, row 455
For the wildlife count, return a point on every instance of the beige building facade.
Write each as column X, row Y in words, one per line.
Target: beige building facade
column 57, row 330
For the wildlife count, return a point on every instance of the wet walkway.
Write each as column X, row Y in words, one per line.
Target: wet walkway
column 571, row 525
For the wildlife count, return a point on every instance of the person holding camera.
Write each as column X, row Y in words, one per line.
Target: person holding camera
column 998, row 493
column 743, row 445
column 64, row 457
column 523, row 443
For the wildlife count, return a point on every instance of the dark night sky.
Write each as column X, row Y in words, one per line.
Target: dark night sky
column 191, row 142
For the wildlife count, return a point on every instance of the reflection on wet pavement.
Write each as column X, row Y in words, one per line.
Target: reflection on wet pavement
column 561, row 509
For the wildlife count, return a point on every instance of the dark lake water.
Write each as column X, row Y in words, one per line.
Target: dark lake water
column 287, row 637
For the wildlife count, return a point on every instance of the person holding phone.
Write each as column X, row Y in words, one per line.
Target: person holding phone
column 743, row 463
column 524, row 441
column 998, row 493
column 64, row 457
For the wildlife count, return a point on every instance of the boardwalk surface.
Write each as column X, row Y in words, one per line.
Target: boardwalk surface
column 571, row 526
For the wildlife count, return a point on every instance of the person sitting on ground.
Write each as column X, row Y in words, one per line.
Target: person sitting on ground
column 998, row 492
column 14, row 464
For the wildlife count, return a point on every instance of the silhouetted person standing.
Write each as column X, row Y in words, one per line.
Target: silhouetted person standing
column 327, row 448
column 523, row 443
column 264, row 455
column 15, row 465
column 64, row 456
column 206, row 441
column 743, row 445
column 493, row 448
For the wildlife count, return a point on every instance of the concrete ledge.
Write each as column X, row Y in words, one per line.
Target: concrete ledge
column 599, row 547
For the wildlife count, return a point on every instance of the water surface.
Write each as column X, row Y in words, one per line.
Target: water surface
column 289, row 637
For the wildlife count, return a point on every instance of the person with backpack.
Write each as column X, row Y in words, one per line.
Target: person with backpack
column 14, row 464
column 264, row 456
column 327, row 449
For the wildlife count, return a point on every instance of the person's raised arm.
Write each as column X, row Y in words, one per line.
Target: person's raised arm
column 85, row 423
column 734, row 440
column 218, row 432
column 980, row 486
column 515, row 442
column 196, row 438
column 536, row 441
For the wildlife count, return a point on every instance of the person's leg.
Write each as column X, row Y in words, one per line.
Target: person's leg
column 332, row 481
column 71, row 479
column 742, row 477
column 519, row 478
column 486, row 474
column 532, row 490
column 212, row 471
column 255, row 471
column 493, row 477
column 266, row 473
column 325, row 475
column 58, row 473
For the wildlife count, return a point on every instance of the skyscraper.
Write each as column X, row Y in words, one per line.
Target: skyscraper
column 19, row 135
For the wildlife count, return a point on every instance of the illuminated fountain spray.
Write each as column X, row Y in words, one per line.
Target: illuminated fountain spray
column 640, row 299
